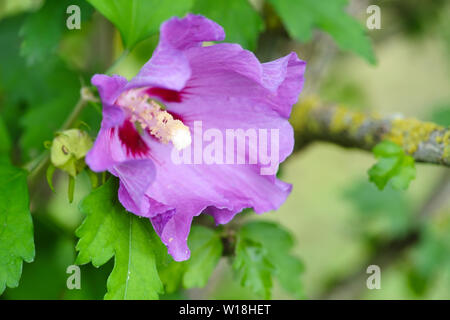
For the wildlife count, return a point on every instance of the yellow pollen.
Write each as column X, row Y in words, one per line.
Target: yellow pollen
column 149, row 115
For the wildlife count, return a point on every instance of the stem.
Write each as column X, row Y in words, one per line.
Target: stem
column 75, row 113
column 39, row 167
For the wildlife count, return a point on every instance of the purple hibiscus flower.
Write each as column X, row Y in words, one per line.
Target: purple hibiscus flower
column 221, row 86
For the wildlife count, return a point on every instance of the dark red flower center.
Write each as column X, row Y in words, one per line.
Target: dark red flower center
column 132, row 140
column 165, row 94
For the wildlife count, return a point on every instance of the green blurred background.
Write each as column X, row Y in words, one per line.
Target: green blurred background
column 341, row 222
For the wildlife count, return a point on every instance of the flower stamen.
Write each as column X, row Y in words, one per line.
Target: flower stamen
column 151, row 116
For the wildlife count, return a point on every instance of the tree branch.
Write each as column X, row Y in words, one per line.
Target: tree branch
column 425, row 141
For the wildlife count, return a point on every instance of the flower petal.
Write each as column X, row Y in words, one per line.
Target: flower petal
column 226, row 68
column 229, row 89
column 190, row 189
column 116, row 145
column 100, row 158
column 109, row 89
column 169, row 68
column 173, row 231
column 135, row 177
column 286, row 75
column 189, row 31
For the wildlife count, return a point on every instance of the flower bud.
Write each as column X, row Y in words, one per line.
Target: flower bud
column 68, row 150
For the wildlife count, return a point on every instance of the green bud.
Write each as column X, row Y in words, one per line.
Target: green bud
column 68, row 150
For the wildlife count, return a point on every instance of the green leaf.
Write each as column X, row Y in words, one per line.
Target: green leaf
column 278, row 243
column 253, row 267
column 42, row 31
column 12, row 80
column 33, row 95
column 46, row 277
column 108, row 231
column 138, row 19
column 5, row 140
column 206, row 250
column 16, row 226
column 431, row 256
column 49, row 176
column 171, row 274
column 385, row 213
column 301, row 16
column 57, row 105
column 241, row 22
column 51, row 92
column 393, row 166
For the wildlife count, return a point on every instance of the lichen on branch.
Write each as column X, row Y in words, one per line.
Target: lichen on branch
column 313, row 121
